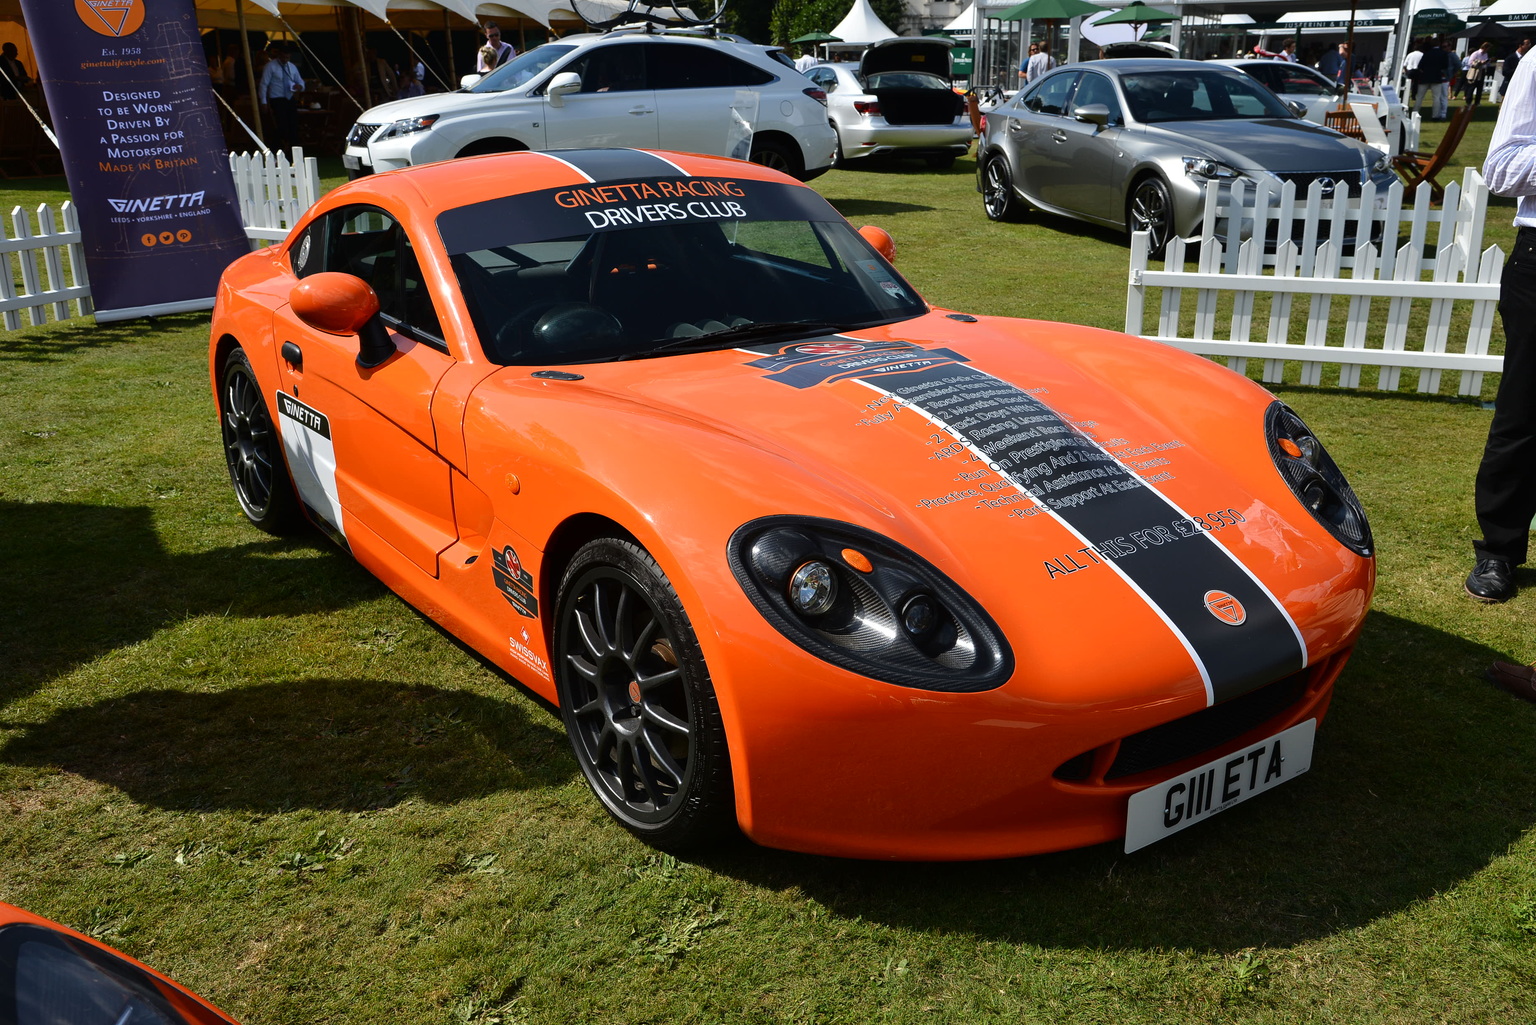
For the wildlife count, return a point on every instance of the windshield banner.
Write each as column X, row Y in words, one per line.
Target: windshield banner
column 132, row 104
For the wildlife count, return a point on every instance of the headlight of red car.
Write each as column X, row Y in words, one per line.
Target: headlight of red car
column 1315, row 480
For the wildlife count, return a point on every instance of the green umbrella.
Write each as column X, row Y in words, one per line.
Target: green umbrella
column 1049, row 10
column 816, row 37
column 1136, row 15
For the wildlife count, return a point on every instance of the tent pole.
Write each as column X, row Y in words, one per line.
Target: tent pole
column 453, row 73
column 361, row 44
column 250, row 66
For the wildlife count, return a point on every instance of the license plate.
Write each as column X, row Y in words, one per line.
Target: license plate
column 350, row 162
column 1195, row 796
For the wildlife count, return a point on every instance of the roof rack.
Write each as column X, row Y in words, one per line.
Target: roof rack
column 610, row 15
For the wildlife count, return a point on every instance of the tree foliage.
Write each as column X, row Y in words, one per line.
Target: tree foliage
column 794, row 18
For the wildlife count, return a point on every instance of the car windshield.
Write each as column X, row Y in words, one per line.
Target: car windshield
column 1158, row 96
column 1302, row 80
column 521, row 68
column 662, row 266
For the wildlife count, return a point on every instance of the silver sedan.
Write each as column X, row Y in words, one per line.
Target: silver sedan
column 1132, row 143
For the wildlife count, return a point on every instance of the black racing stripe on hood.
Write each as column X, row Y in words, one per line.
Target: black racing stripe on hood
column 1095, row 495
column 602, row 165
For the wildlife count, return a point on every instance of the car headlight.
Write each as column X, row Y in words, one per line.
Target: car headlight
column 1206, row 169
column 408, row 126
column 868, row 605
column 1382, row 165
column 1314, row 479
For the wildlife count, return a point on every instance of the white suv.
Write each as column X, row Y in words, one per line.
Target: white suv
column 650, row 90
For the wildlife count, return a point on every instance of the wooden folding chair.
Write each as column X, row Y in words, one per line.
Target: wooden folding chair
column 1416, row 168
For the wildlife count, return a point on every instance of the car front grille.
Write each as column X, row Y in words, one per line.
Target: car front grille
column 1352, row 180
column 1198, row 732
column 360, row 134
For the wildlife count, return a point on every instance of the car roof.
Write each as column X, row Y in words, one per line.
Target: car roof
column 1163, row 65
column 430, row 189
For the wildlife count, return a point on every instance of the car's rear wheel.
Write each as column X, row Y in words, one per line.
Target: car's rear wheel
column 253, row 451
column 1151, row 210
column 775, row 154
column 838, row 160
column 997, row 194
column 637, row 700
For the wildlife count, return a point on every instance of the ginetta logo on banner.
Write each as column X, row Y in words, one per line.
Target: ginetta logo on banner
column 111, row 17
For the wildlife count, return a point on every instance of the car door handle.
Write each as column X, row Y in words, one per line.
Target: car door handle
column 294, row 355
column 1059, row 136
column 642, row 111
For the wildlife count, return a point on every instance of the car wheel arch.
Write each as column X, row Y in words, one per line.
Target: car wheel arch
column 785, row 143
column 490, row 144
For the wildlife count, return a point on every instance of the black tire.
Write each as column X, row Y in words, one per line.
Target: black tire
column 1150, row 209
column 997, row 195
column 637, row 701
column 838, row 160
column 775, row 154
column 253, row 452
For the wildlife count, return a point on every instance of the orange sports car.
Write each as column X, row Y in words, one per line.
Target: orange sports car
column 672, row 444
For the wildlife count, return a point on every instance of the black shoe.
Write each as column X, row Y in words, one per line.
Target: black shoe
column 1492, row 580
column 1517, row 680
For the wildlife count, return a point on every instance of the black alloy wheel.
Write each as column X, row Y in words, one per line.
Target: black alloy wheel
column 254, row 452
column 637, row 701
column 997, row 194
column 1151, row 210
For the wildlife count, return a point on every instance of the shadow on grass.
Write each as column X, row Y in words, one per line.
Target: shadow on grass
column 63, row 339
column 83, row 580
column 1422, row 775
column 345, row 745
column 851, row 208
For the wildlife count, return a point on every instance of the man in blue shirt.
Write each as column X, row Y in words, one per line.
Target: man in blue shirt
column 278, row 91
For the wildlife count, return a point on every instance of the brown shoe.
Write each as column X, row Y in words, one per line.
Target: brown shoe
column 1517, row 680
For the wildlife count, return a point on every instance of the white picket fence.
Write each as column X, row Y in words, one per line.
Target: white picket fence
column 1428, row 262
column 274, row 191
column 49, row 263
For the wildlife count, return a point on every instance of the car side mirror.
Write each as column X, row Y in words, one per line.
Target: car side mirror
column 1298, row 108
column 881, row 240
column 465, row 81
column 1092, row 113
column 344, row 304
column 561, row 86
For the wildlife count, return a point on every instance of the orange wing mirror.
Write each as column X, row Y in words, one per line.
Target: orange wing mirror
column 881, row 240
column 336, row 303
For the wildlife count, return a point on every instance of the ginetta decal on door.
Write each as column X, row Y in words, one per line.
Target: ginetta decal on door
column 311, row 456
column 514, row 582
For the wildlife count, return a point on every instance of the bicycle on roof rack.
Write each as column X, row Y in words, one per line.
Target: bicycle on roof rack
column 603, row 15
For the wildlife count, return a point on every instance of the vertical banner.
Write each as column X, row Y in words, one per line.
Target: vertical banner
column 132, row 104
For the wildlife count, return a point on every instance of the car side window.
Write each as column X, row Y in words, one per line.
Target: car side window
column 1051, row 97
column 611, row 69
column 369, row 243
column 1265, row 75
column 1098, row 89
column 674, row 66
column 825, row 78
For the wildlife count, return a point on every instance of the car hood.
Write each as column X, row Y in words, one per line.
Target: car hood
column 1277, row 145
column 1132, row 453
column 421, row 106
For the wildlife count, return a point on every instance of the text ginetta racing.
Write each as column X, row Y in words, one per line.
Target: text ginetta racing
column 672, row 444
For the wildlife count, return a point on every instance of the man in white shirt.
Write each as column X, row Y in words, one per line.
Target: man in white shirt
column 278, row 91
column 1505, row 495
column 494, row 53
column 1287, row 52
column 1038, row 64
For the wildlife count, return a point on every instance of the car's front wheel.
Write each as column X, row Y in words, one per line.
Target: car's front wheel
column 1151, row 210
column 254, row 452
column 997, row 194
column 637, row 700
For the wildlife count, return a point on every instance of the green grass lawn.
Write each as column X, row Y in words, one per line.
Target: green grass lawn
column 245, row 762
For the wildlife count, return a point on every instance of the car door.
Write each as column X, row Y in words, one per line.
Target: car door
column 1093, row 154
column 696, row 86
column 360, row 441
column 615, row 107
column 1040, row 133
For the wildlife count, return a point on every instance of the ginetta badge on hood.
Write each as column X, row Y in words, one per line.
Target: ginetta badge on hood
column 1226, row 608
